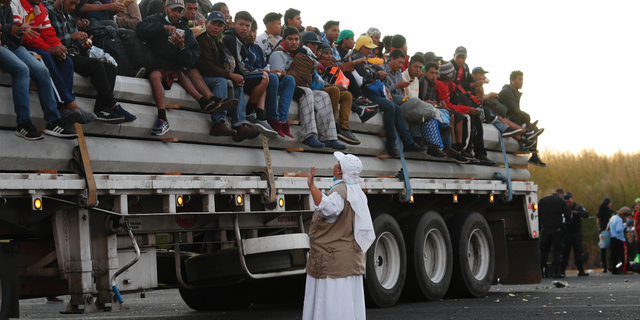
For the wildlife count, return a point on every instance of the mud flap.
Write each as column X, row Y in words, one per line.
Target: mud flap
column 524, row 262
column 500, row 246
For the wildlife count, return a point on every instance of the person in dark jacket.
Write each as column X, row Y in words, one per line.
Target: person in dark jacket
column 17, row 61
column 553, row 214
column 510, row 97
column 573, row 238
column 175, row 54
column 392, row 115
column 603, row 217
column 463, row 74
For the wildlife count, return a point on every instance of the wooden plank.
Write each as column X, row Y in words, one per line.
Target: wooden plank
column 47, row 171
column 169, row 140
column 294, row 149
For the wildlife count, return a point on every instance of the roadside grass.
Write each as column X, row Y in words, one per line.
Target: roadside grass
column 590, row 176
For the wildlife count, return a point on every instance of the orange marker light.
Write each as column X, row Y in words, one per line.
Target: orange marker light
column 37, row 204
column 281, row 202
column 179, row 201
column 491, row 198
column 239, row 200
column 455, row 198
column 411, row 199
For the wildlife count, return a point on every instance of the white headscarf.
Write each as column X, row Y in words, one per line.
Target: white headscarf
column 362, row 226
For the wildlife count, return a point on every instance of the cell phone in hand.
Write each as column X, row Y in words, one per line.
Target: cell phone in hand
column 180, row 32
column 410, row 80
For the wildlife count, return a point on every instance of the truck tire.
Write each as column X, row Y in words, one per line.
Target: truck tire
column 386, row 263
column 429, row 256
column 473, row 255
column 229, row 297
column 225, row 265
column 194, row 298
column 5, row 287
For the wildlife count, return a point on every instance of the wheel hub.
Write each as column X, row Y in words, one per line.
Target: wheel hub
column 478, row 254
column 387, row 264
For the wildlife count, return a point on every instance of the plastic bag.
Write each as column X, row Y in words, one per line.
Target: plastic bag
column 316, row 82
column 98, row 53
column 605, row 239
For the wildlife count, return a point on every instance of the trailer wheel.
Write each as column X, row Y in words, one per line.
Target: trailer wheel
column 194, row 298
column 429, row 256
column 5, row 288
column 229, row 297
column 473, row 255
column 386, row 263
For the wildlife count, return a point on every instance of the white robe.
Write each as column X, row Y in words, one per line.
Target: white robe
column 330, row 298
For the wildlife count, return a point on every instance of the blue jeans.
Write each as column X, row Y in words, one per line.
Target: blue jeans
column 279, row 87
column 61, row 73
column 392, row 119
column 218, row 87
column 21, row 64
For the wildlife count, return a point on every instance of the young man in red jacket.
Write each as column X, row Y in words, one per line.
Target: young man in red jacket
column 54, row 55
column 444, row 87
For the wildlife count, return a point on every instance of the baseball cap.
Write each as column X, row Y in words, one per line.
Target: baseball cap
column 431, row 57
column 461, row 51
column 344, row 34
column 568, row 195
column 365, row 41
column 172, row 4
column 637, row 199
column 309, row 36
column 624, row 210
column 478, row 70
column 216, row 16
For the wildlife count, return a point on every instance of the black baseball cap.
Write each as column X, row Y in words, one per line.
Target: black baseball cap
column 461, row 51
column 431, row 57
column 479, row 70
column 311, row 37
column 568, row 195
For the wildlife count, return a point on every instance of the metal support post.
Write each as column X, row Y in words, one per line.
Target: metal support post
column 104, row 250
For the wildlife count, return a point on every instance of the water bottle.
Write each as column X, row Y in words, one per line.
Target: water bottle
column 267, row 68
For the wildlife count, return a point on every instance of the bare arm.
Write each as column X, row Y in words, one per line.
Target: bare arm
column 315, row 192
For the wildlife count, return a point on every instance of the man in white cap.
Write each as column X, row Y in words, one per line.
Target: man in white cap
column 341, row 232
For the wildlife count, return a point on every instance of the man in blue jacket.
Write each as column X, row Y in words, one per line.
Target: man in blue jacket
column 176, row 51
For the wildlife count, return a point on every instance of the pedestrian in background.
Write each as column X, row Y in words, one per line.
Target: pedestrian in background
column 554, row 213
column 604, row 214
column 618, row 243
column 573, row 238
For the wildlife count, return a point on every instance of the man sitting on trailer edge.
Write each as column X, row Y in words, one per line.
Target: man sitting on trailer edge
column 341, row 231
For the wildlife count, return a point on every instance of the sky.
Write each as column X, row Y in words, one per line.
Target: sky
column 576, row 55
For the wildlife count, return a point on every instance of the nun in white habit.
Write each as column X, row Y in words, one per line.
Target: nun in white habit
column 341, row 232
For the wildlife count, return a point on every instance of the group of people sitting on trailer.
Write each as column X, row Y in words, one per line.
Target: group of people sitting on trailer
column 428, row 103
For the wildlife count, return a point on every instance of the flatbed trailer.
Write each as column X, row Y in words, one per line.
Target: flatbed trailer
column 226, row 222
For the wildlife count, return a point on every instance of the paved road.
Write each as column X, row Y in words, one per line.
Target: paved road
column 600, row 296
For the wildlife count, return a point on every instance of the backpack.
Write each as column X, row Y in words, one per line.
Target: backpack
column 496, row 106
column 301, row 69
column 139, row 54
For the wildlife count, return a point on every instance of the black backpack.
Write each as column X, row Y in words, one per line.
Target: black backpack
column 139, row 53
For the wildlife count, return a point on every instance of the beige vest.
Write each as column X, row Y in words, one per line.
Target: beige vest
column 334, row 251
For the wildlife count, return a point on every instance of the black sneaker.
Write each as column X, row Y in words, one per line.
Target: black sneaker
column 160, row 127
column 141, row 73
column 467, row 155
column 414, row 147
column 368, row 114
column 128, row 117
column 526, row 144
column 365, row 102
column 532, row 134
column 456, row 156
column 57, row 129
column 107, row 115
column 485, row 161
column 534, row 160
column 511, row 132
column 28, row 131
column 436, row 152
column 490, row 119
column 347, row 136
column 392, row 150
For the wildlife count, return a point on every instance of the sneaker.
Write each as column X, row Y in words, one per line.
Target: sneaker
column 490, row 119
column 347, row 136
column 86, row 117
column 287, row 131
column 57, row 129
column 414, row 147
column 277, row 127
column 532, row 134
column 54, row 299
column 128, row 117
column 71, row 116
column 28, row 131
column 141, row 73
column 160, row 127
column 365, row 102
column 220, row 129
column 583, row 274
column 223, row 105
column 334, row 144
column 436, row 152
column 368, row 114
column 261, row 125
column 467, row 155
column 485, row 161
column 534, row 160
column 456, row 156
column 511, row 132
column 526, row 144
column 392, row 150
column 109, row 116
column 312, row 142
column 245, row 133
